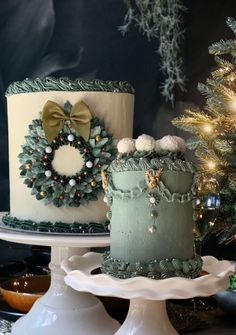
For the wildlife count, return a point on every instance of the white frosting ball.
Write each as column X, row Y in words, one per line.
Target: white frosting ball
column 152, row 200
column 172, row 143
column 145, row 143
column 72, row 182
column 126, row 145
column 48, row 173
column 70, row 138
column 48, row 150
column 89, row 164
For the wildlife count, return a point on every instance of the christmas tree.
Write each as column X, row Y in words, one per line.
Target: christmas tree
column 214, row 129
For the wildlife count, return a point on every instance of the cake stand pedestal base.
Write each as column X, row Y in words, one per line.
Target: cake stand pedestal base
column 63, row 310
column 147, row 313
column 147, row 317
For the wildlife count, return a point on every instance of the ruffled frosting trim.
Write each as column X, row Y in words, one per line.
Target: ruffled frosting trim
column 65, row 84
column 56, row 227
column 155, row 269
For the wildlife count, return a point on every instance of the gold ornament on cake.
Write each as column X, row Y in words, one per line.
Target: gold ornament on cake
column 93, row 183
column 104, row 179
column 98, row 138
column 153, row 178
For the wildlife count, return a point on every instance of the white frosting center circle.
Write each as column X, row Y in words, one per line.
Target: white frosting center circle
column 67, row 161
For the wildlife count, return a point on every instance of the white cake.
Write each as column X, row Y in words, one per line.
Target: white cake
column 62, row 162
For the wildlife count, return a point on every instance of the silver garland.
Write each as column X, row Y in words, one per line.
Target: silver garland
column 160, row 19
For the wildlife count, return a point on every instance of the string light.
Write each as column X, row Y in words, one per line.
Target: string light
column 207, row 128
column 211, row 165
column 233, row 103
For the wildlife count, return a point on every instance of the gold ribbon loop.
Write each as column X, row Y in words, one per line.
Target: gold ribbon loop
column 53, row 117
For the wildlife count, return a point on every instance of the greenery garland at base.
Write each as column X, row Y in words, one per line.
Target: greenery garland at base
column 57, row 227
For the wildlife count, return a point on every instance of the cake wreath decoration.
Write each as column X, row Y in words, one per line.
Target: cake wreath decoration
column 38, row 155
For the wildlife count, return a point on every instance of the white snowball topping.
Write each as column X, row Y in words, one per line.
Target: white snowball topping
column 172, row 143
column 126, row 145
column 145, row 143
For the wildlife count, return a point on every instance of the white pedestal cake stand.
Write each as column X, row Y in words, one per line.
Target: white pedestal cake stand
column 147, row 313
column 62, row 310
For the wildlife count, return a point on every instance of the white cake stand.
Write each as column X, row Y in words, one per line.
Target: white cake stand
column 147, row 312
column 62, row 310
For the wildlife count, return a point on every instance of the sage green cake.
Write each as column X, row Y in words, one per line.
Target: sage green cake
column 150, row 188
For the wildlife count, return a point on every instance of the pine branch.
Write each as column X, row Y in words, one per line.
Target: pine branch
column 225, row 68
column 192, row 121
column 231, row 22
column 223, row 47
column 215, row 130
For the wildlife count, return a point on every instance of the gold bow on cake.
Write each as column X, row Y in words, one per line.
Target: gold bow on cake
column 53, row 117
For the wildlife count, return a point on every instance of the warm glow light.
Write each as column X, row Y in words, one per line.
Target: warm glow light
column 211, row 165
column 233, row 104
column 207, row 128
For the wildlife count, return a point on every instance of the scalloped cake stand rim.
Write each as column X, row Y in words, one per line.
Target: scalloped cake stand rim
column 78, row 269
column 147, row 311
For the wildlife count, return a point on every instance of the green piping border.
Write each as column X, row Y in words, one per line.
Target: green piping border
column 155, row 269
column 65, row 84
column 143, row 161
column 57, row 227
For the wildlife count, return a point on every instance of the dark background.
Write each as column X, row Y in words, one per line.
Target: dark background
column 79, row 38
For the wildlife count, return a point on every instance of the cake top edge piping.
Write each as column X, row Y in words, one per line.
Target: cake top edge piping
column 65, row 84
column 143, row 161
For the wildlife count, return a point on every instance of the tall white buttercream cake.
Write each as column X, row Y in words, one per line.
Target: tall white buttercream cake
column 61, row 136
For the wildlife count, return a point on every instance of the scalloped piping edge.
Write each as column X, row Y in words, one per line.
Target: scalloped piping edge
column 155, row 269
column 57, row 227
